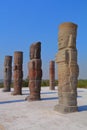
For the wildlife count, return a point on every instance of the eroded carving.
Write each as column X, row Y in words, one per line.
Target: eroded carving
column 68, row 69
column 52, row 75
column 35, row 72
column 18, row 73
column 7, row 73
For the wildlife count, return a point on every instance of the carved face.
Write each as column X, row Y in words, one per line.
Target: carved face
column 63, row 40
column 67, row 40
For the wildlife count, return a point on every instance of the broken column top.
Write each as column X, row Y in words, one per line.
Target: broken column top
column 68, row 25
column 8, row 60
column 18, row 57
column 18, row 52
column 67, row 35
column 52, row 63
column 35, row 50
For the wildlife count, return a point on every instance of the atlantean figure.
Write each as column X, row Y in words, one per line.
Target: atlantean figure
column 52, row 75
column 18, row 73
column 35, row 72
column 67, row 68
column 7, row 73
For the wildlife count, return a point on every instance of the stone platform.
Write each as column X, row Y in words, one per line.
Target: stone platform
column 18, row 114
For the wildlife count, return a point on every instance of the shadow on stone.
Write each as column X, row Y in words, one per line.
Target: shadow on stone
column 79, row 96
column 25, row 90
column 12, row 101
column 48, row 92
column 82, row 108
column 25, row 93
column 50, row 98
column 80, row 91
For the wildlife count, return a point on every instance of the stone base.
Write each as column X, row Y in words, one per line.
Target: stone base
column 6, row 90
column 29, row 98
column 15, row 93
column 66, row 109
column 52, row 88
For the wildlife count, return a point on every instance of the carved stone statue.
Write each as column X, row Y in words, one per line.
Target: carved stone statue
column 68, row 69
column 18, row 72
column 52, row 75
column 35, row 72
column 7, row 73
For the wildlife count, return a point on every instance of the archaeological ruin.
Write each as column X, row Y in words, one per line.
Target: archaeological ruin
column 52, row 75
column 7, row 73
column 18, row 72
column 35, row 72
column 68, row 69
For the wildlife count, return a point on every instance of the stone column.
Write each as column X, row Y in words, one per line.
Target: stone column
column 35, row 72
column 7, row 73
column 18, row 72
column 52, row 75
column 67, row 68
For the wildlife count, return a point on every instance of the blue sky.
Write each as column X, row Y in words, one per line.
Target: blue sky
column 23, row 22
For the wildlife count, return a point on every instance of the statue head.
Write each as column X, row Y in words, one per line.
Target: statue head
column 35, row 50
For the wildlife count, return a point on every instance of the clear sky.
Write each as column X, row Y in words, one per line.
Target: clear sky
column 23, row 22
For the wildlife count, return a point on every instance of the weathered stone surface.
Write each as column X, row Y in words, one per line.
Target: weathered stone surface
column 52, row 75
column 18, row 72
column 7, row 73
column 68, row 109
column 67, row 68
column 35, row 50
column 35, row 72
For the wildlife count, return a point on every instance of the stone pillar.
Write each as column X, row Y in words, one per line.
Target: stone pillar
column 68, row 69
column 7, row 73
column 35, row 72
column 18, row 72
column 52, row 75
